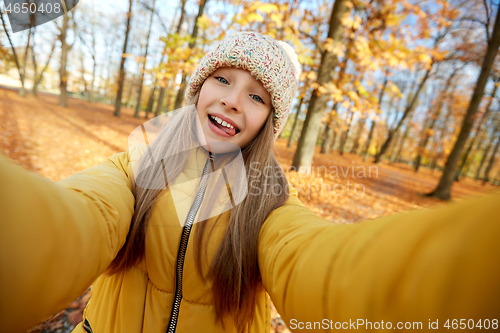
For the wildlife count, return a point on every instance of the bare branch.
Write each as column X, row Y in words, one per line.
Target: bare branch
column 318, row 44
column 10, row 42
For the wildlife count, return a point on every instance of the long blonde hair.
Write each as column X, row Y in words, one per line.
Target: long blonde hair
column 236, row 261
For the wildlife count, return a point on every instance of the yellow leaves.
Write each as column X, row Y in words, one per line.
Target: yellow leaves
column 392, row 20
column 395, row 89
column 425, row 58
column 353, row 96
column 362, row 47
column 346, row 104
column 277, row 18
column 337, row 48
column 305, row 59
column 266, row 7
column 203, row 22
column 348, row 4
column 314, row 85
column 255, row 17
column 321, row 90
column 335, row 93
column 312, row 76
column 351, row 23
column 362, row 91
column 419, row 12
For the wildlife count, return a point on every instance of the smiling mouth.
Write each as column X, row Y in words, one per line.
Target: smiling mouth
column 222, row 125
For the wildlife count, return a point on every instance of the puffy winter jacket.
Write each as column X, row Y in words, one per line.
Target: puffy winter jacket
column 57, row 238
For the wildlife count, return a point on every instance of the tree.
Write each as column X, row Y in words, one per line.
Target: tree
column 492, row 158
column 37, row 78
column 473, row 141
column 443, row 189
column 296, row 120
column 194, row 34
column 121, row 75
column 65, row 48
column 139, row 94
column 374, row 121
column 163, row 87
column 433, row 119
column 496, row 128
column 305, row 150
column 21, row 68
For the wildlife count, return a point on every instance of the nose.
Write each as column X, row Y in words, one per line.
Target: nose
column 232, row 101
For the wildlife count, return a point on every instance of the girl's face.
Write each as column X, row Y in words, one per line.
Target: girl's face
column 233, row 106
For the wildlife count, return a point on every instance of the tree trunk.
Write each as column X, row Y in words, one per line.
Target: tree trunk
column 407, row 111
column 372, row 127
column 35, row 69
column 484, row 157
column 296, row 120
column 143, row 70
column 121, row 76
column 182, row 87
column 325, row 146
column 22, row 90
column 181, row 19
column 369, row 140
column 327, row 143
column 94, row 67
column 334, row 140
column 305, row 149
column 491, row 162
column 473, row 139
column 159, row 104
column 63, row 75
column 345, row 135
column 85, row 86
column 322, row 134
column 396, row 158
column 151, row 101
column 434, row 118
column 358, row 136
column 443, row 189
column 16, row 59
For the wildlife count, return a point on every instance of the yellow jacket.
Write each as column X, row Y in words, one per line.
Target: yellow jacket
column 57, row 238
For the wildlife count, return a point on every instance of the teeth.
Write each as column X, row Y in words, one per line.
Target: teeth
column 220, row 121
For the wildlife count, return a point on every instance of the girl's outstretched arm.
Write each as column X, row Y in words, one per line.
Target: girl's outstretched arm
column 418, row 267
column 57, row 238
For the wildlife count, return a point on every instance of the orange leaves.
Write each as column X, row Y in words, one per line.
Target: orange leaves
column 394, row 89
column 424, row 58
column 204, row 22
column 337, row 48
column 351, row 23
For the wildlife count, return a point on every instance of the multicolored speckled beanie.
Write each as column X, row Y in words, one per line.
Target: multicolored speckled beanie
column 273, row 63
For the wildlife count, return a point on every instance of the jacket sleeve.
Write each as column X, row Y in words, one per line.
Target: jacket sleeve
column 57, row 238
column 420, row 267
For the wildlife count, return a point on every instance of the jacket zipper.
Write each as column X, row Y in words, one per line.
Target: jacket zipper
column 86, row 326
column 186, row 230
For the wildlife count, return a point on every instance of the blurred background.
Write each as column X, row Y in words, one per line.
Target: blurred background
column 397, row 107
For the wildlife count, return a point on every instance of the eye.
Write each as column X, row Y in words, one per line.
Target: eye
column 221, row 79
column 257, row 98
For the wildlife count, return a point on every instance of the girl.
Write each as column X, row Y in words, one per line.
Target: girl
column 128, row 227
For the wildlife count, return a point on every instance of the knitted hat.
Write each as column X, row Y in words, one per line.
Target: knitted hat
column 273, row 63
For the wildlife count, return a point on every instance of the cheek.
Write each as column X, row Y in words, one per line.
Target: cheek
column 256, row 122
